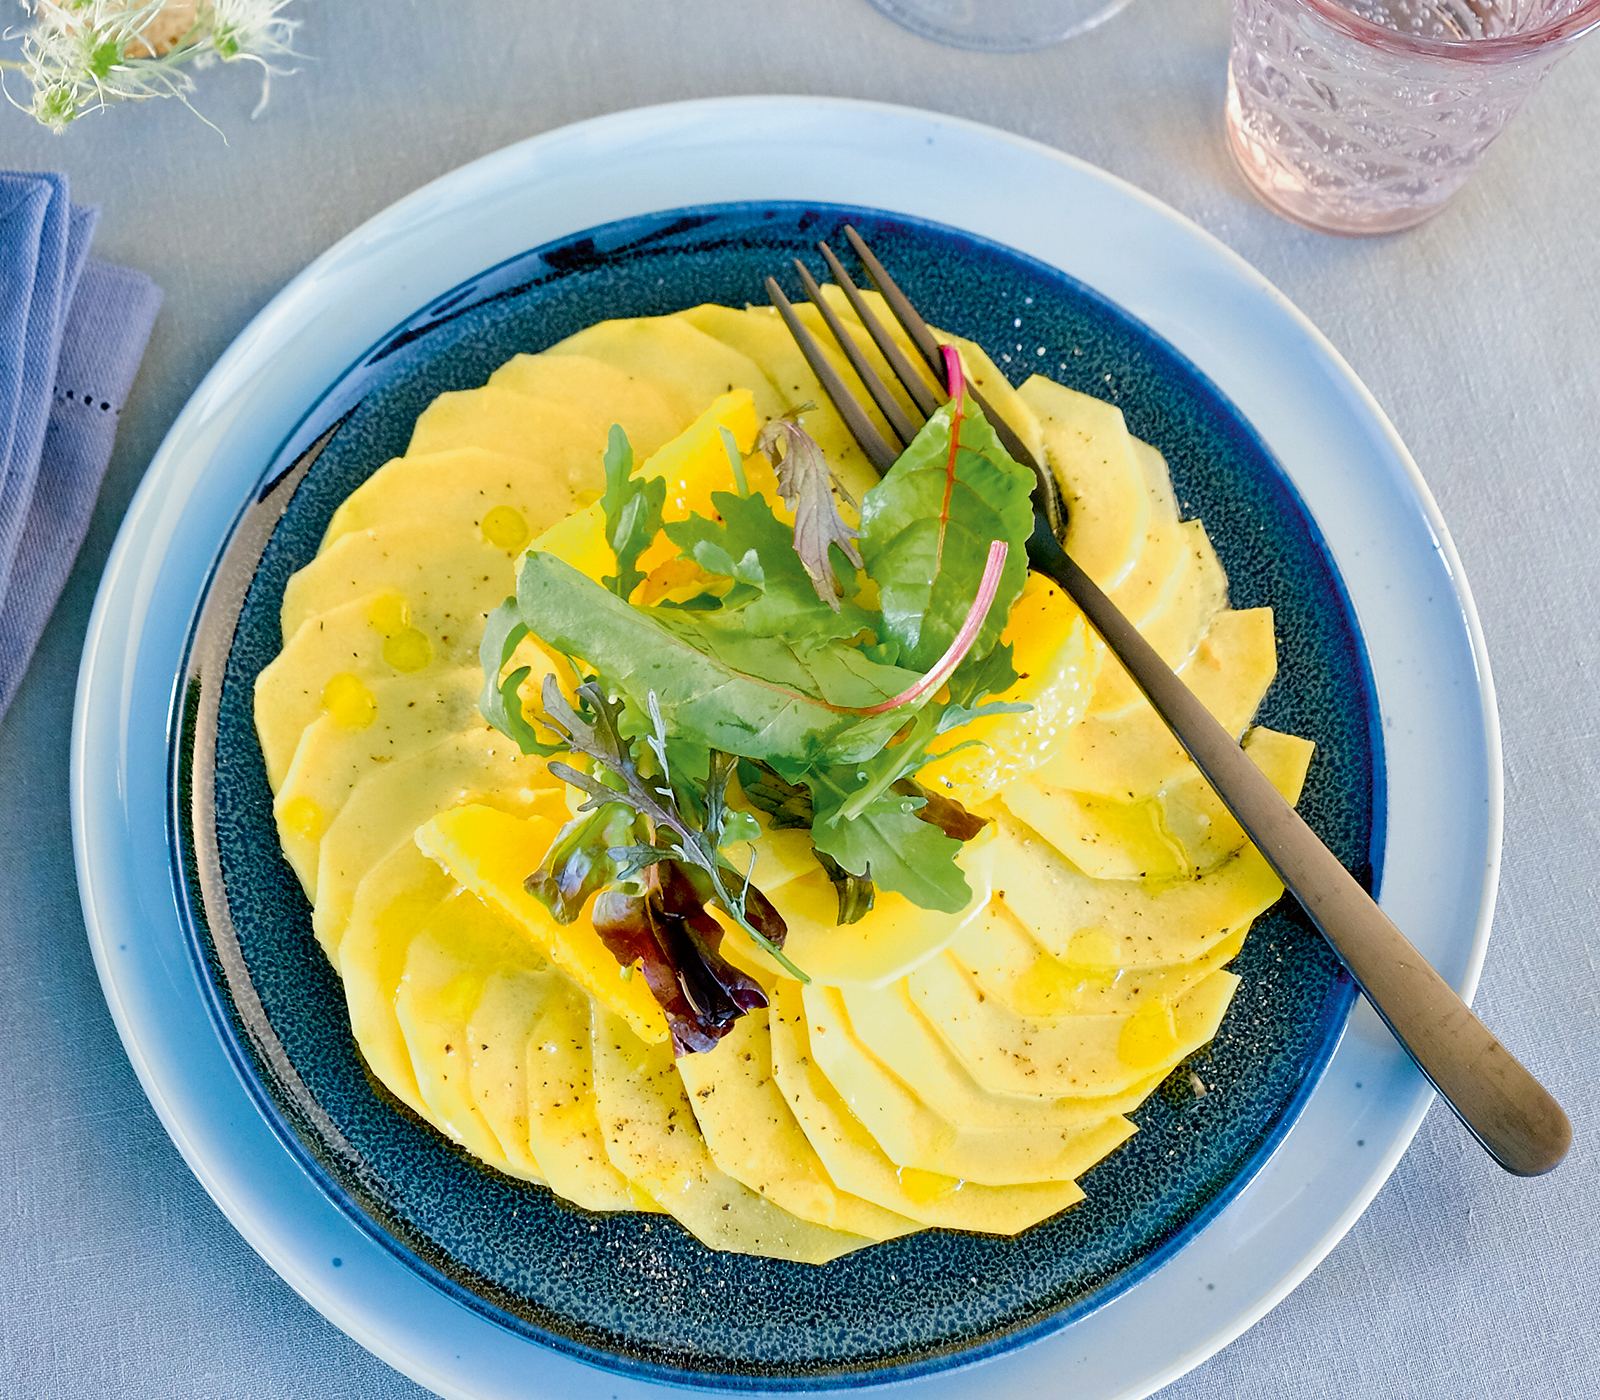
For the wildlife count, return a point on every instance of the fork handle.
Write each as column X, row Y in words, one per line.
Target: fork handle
column 1522, row 1127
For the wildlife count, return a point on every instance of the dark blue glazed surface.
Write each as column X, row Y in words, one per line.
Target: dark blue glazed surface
column 637, row 1294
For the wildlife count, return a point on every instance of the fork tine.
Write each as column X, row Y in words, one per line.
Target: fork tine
column 888, row 405
column 917, row 329
column 904, row 312
column 914, row 382
column 871, row 441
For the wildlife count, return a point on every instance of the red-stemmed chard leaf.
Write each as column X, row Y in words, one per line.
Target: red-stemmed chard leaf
column 927, row 528
column 962, row 642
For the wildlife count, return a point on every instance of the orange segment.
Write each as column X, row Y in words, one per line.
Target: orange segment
column 491, row 854
column 695, row 463
column 1056, row 658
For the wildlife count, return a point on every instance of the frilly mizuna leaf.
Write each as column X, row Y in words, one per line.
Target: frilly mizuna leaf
column 754, row 548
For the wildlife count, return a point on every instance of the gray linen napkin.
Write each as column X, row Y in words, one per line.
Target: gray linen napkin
column 74, row 331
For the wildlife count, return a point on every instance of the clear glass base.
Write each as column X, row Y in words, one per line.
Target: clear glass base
column 999, row 26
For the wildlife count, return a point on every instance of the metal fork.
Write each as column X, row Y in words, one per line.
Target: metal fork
column 1503, row 1106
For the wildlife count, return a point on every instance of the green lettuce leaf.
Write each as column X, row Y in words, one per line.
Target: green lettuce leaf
column 717, row 686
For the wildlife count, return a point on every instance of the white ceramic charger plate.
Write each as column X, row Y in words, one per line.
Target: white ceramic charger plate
column 1382, row 529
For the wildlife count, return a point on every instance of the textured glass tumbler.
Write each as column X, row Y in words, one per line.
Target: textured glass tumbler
column 1365, row 117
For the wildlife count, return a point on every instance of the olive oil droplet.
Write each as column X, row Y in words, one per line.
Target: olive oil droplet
column 505, row 528
column 301, row 816
column 348, row 702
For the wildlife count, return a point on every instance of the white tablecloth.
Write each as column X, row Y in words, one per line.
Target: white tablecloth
column 1478, row 333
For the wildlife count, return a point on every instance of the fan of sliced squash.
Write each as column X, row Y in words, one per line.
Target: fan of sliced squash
column 956, row 1071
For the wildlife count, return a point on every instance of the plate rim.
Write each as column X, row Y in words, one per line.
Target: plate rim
column 419, row 204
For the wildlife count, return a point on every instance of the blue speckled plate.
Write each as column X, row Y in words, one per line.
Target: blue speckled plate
column 638, row 1294
column 423, row 1300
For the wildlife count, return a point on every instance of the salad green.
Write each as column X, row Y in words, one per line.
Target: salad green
column 818, row 663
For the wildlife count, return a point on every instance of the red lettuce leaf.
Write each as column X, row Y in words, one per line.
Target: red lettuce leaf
column 675, row 940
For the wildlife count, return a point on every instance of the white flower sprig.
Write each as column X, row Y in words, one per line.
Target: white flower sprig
column 82, row 55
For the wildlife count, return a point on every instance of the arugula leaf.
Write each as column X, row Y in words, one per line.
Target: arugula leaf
column 789, row 805
column 717, row 686
column 871, row 779
column 499, row 703
column 753, row 547
column 865, row 814
column 632, row 509
column 872, row 839
column 887, row 840
column 807, row 483
column 926, row 529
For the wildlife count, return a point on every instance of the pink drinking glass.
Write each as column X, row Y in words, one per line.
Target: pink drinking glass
column 1365, row 117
